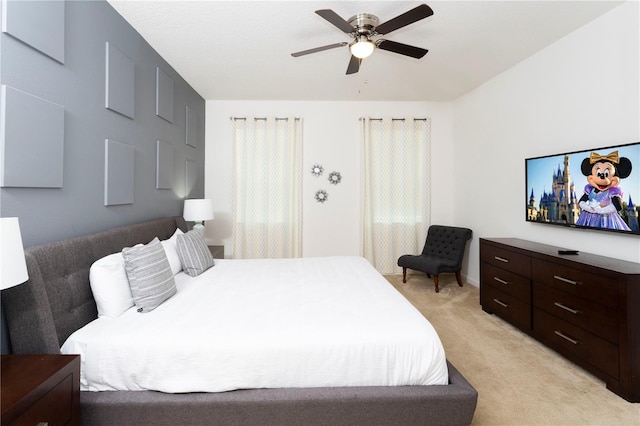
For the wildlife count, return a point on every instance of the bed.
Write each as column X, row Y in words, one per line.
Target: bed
column 57, row 302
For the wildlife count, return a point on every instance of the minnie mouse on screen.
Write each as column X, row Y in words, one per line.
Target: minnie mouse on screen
column 602, row 198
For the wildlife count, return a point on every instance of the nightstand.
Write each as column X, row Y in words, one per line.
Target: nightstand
column 217, row 252
column 40, row 389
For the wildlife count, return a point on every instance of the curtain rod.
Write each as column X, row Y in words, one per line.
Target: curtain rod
column 262, row 118
column 393, row 119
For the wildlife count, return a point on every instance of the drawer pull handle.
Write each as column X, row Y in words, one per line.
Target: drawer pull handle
column 566, row 308
column 501, row 259
column 501, row 303
column 567, row 338
column 501, row 281
column 565, row 280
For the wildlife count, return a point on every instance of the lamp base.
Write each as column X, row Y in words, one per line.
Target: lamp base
column 199, row 227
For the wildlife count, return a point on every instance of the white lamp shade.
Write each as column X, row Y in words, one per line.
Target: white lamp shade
column 13, row 268
column 198, row 210
column 362, row 48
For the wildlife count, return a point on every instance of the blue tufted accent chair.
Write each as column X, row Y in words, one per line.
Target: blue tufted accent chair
column 443, row 252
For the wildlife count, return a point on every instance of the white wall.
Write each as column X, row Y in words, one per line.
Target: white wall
column 580, row 93
column 331, row 138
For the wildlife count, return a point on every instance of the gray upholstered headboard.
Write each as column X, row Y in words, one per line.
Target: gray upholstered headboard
column 57, row 298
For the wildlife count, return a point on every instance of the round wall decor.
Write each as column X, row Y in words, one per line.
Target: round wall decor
column 321, row 196
column 335, row 178
column 317, row 170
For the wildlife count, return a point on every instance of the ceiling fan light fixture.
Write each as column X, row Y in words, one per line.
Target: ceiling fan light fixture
column 364, row 27
column 362, row 48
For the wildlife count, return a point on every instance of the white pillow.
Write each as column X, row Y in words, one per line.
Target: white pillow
column 110, row 286
column 172, row 252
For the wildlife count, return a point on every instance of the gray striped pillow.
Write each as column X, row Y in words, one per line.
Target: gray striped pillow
column 149, row 273
column 194, row 253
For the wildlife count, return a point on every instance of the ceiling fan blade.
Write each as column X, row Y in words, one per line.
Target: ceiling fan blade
column 336, row 20
column 354, row 65
column 403, row 49
column 319, row 49
column 415, row 14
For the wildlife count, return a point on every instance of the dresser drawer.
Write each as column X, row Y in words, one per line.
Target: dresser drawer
column 506, row 306
column 506, row 281
column 505, row 259
column 576, row 343
column 40, row 389
column 54, row 408
column 584, row 313
column 598, row 288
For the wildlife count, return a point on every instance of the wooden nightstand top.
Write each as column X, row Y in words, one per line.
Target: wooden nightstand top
column 27, row 378
column 217, row 251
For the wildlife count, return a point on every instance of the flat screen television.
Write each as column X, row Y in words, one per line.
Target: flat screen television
column 591, row 189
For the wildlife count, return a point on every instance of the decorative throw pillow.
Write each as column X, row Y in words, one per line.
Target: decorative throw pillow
column 171, row 249
column 150, row 277
column 110, row 286
column 194, row 253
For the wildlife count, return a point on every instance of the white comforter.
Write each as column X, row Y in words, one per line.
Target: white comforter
column 309, row 322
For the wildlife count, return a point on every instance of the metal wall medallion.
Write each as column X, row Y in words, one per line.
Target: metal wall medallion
column 335, row 178
column 321, row 196
column 317, row 170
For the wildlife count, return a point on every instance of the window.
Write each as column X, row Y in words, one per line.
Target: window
column 267, row 187
column 396, row 189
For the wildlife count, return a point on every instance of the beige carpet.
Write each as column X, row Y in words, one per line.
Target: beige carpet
column 519, row 381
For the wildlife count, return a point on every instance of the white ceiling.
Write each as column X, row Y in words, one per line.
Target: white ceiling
column 240, row 50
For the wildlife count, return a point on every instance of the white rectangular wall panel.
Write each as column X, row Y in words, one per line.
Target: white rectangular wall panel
column 118, row 173
column 120, row 77
column 164, row 95
column 164, row 165
column 31, row 140
column 39, row 24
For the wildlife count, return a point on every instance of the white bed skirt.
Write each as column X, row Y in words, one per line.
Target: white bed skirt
column 277, row 323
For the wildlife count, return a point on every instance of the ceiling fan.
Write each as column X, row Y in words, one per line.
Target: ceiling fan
column 364, row 28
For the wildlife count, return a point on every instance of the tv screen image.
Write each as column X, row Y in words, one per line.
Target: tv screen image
column 590, row 189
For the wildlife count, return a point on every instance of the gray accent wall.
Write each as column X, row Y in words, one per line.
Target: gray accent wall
column 96, row 129
column 112, row 90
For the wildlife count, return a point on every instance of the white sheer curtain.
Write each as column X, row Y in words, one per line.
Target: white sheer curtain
column 267, row 187
column 396, row 189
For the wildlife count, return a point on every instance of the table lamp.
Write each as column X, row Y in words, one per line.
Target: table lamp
column 198, row 211
column 13, row 267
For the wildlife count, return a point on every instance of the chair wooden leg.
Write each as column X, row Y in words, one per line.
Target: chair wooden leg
column 435, row 281
column 459, row 278
column 404, row 275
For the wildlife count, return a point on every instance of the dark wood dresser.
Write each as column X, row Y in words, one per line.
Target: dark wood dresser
column 40, row 390
column 585, row 307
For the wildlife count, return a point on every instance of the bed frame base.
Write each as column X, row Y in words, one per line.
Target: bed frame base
column 401, row 405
